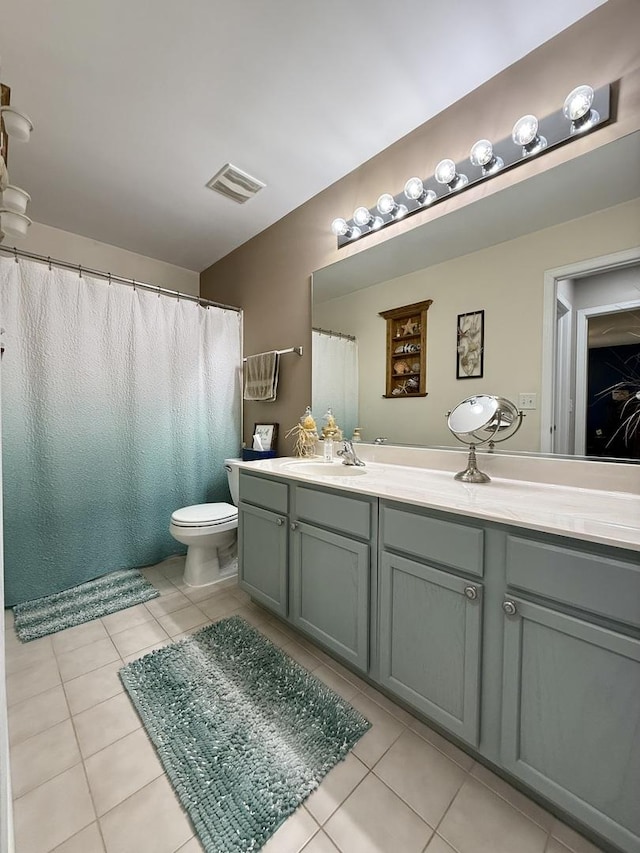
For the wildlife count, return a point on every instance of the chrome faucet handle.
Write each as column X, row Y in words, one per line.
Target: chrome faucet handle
column 381, row 439
column 349, row 456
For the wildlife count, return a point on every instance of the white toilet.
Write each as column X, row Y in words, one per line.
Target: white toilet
column 209, row 532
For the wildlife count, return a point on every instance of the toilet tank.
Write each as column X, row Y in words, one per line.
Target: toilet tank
column 233, row 476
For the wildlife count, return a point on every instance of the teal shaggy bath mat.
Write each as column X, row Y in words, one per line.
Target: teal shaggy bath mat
column 90, row 600
column 244, row 733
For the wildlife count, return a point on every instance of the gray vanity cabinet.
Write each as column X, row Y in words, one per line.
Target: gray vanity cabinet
column 330, row 591
column 571, row 682
column 430, row 632
column 431, row 618
column 330, row 570
column 263, row 532
column 571, row 693
column 523, row 645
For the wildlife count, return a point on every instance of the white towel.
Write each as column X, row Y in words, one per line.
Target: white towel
column 261, row 377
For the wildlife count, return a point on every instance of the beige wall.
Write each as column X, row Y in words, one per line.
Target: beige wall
column 65, row 246
column 507, row 281
column 269, row 275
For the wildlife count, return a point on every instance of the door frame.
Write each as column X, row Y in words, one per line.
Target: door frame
column 580, row 269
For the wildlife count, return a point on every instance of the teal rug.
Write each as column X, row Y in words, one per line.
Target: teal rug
column 245, row 733
column 90, row 600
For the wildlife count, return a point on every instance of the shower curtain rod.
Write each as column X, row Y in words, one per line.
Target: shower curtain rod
column 334, row 334
column 131, row 282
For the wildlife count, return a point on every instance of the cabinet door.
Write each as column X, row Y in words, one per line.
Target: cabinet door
column 430, row 634
column 330, row 591
column 571, row 723
column 262, row 556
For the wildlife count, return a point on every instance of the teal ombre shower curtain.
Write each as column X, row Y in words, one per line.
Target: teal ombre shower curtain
column 119, row 406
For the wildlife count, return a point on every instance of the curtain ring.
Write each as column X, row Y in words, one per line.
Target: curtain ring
column 80, row 270
column 133, row 281
column 49, row 263
column 109, row 278
column 159, row 291
column 15, row 254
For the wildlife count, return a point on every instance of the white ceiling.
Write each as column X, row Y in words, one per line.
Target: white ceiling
column 137, row 104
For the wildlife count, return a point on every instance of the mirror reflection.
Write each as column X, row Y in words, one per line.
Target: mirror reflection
column 554, row 264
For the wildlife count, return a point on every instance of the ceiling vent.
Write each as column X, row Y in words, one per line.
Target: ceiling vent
column 235, row 184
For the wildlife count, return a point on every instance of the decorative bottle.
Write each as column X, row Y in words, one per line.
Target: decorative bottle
column 329, row 434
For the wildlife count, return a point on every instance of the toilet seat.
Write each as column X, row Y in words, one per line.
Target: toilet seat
column 204, row 515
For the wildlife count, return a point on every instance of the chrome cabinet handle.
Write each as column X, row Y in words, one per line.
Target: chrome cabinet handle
column 294, row 525
column 471, row 592
column 509, row 608
column 279, row 521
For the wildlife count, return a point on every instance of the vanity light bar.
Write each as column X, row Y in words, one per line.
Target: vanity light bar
column 584, row 109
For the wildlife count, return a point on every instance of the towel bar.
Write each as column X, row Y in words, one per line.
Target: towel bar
column 297, row 350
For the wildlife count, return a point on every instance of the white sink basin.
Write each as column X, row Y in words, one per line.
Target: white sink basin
column 325, row 469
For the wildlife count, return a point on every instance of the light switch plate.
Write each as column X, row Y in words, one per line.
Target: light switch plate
column 527, row 400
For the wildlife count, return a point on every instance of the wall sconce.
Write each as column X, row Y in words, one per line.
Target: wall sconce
column 14, row 221
column 584, row 109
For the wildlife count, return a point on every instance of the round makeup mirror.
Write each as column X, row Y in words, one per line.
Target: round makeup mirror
column 482, row 419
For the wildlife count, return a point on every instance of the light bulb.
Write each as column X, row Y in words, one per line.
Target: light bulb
column 578, row 103
column 445, row 173
column 339, row 227
column 386, row 204
column 362, row 217
column 525, row 133
column 415, row 191
column 482, row 155
column 481, row 152
column 525, row 130
column 577, row 108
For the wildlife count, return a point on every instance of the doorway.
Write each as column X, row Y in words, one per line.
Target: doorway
column 588, row 400
column 610, row 416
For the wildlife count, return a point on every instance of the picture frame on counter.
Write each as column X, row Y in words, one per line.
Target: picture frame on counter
column 268, row 435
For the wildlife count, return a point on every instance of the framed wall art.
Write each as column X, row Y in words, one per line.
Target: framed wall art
column 470, row 345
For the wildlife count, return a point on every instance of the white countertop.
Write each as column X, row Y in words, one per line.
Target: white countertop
column 595, row 515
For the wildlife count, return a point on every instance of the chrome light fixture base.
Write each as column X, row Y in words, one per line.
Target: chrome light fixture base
column 558, row 128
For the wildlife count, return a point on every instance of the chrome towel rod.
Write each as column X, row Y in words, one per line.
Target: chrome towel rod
column 297, row 350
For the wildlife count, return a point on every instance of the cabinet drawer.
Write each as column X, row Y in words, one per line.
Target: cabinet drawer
column 338, row 512
column 455, row 545
column 263, row 492
column 590, row 582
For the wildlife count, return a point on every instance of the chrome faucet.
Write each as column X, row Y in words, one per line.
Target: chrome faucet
column 349, row 456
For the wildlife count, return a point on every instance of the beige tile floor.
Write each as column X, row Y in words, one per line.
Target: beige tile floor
column 86, row 777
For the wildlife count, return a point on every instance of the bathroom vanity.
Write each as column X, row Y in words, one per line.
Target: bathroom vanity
column 508, row 614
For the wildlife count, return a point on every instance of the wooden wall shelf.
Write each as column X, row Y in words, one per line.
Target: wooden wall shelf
column 406, row 351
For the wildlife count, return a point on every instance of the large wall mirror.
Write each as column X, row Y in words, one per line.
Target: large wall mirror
column 554, row 264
